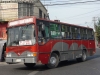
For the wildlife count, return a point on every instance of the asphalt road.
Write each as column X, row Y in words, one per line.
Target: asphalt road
column 89, row 67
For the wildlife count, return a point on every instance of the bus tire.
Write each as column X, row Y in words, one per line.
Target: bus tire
column 83, row 57
column 53, row 61
column 29, row 65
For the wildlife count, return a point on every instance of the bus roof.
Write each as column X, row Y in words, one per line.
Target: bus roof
column 49, row 21
column 65, row 23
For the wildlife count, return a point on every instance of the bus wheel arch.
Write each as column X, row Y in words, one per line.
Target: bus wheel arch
column 85, row 50
column 54, row 59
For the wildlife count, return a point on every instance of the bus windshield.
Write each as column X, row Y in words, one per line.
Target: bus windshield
column 22, row 35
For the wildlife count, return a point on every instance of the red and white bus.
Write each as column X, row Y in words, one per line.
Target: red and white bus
column 32, row 40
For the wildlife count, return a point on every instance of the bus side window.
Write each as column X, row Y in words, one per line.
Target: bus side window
column 90, row 35
column 78, row 36
column 82, row 34
column 77, row 32
column 69, row 35
column 65, row 30
column 73, row 32
column 55, row 31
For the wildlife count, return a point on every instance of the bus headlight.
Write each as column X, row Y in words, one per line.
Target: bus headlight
column 8, row 55
column 30, row 54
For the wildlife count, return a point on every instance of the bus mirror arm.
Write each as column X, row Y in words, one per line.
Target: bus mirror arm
column 40, row 41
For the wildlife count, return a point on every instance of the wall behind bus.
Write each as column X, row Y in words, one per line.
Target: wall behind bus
column 3, row 34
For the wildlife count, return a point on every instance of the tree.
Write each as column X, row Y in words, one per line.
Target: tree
column 98, row 30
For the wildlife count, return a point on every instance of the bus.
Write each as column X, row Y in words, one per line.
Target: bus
column 34, row 40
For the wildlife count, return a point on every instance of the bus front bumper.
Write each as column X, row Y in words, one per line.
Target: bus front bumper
column 21, row 60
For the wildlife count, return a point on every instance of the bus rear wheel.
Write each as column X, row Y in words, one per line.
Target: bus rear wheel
column 29, row 65
column 53, row 61
column 83, row 57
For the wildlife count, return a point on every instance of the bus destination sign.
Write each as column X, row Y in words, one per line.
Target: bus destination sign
column 19, row 22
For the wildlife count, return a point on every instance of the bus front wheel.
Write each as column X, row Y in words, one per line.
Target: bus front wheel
column 29, row 65
column 53, row 61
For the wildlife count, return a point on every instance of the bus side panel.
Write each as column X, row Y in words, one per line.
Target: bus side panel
column 92, row 48
column 46, row 49
column 44, row 52
column 70, row 52
column 85, row 43
column 44, row 57
column 62, row 47
column 77, row 48
column 89, row 45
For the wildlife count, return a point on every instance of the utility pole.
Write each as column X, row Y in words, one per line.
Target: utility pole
column 94, row 20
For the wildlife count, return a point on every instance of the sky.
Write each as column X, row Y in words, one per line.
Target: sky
column 79, row 14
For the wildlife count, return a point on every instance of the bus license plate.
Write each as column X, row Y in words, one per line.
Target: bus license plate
column 18, row 60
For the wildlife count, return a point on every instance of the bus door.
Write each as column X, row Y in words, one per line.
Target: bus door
column 44, row 43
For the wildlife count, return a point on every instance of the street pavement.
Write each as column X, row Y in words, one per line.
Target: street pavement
column 89, row 67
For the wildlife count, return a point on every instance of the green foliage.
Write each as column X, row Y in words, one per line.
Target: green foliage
column 98, row 31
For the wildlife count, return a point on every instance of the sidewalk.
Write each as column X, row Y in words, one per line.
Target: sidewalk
column 3, row 63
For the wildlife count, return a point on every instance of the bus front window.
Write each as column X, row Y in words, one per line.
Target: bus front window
column 23, row 35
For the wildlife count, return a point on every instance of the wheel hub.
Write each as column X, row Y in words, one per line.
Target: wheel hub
column 53, row 60
column 84, row 56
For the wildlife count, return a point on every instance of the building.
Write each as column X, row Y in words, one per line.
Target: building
column 14, row 9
